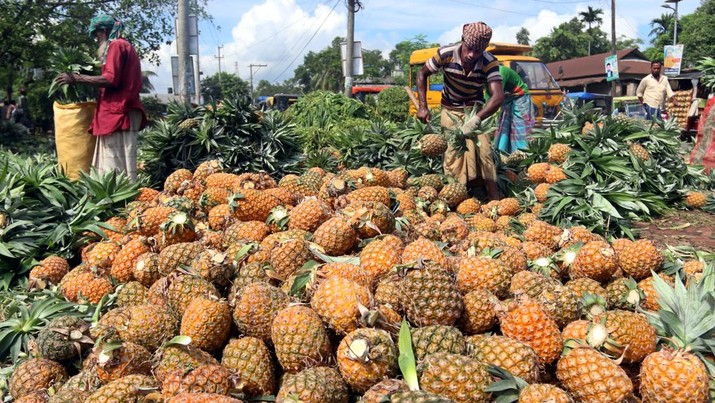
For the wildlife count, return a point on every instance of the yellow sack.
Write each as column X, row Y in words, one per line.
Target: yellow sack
column 75, row 146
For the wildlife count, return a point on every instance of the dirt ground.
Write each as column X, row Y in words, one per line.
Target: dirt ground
column 694, row 228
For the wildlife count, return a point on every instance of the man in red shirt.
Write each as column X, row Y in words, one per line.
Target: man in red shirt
column 119, row 115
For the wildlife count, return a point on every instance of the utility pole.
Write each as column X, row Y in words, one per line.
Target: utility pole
column 219, row 57
column 349, row 49
column 182, row 38
column 675, row 30
column 251, row 66
column 613, row 41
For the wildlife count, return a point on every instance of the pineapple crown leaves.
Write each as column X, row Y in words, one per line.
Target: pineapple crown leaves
column 279, row 217
column 508, row 387
column 593, row 304
column 305, row 277
column 406, row 359
column 319, row 252
column 685, row 318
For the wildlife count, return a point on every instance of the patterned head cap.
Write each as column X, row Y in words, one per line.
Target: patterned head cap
column 476, row 35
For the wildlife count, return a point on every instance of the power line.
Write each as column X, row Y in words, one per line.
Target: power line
column 492, row 8
column 275, row 80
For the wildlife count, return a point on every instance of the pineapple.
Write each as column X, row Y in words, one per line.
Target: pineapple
column 423, row 249
column 453, row 193
column 461, row 378
column 529, row 323
column 561, row 303
column 537, row 172
column 36, row 374
column 63, row 339
column 695, row 200
column 289, row 256
column 365, row 356
column 418, row 396
column 146, row 269
column 469, row 206
column 254, row 231
column 208, row 322
column 202, row 379
column 554, row 174
column 253, row 205
column 435, row 339
column 587, row 285
column 639, row 151
column 338, row 301
column 102, row 254
column 479, row 313
column 175, row 180
column 430, row 296
column 249, row 358
column 677, row 372
column 639, row 258
column 336, row 236
column 543, row 233
column 174, row 357
column 650, row 300
column 483, row 272
column 214, row 266
column 149, row 326
column 383, row 390
column 50, row 270
column 398, row 178
column 433, row 145
column 512, row 355
column 125, row 261
column 313, row 385
column 116, row 360
column 592, row 377
column 623, row 293
column 558, row 153
column 132, row 293
column 541, row 192
column 181, row 289
column 595, row 260
column 300, row 338
column 629, row 335
column 379, row 256
column 95, row 289
column 256, row 308
column 116, row 225
column 197, row 397
column 222, row 180
column 508, row 206
column 129, row 389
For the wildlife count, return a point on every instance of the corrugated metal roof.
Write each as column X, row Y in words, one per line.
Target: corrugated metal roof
column 590, row 69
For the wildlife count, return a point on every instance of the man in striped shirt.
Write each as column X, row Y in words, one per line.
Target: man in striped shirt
column 467, row 69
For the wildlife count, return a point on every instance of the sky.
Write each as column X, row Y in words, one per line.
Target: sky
column 278, row 33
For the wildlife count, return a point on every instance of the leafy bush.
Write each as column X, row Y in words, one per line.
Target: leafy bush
column 393, row 104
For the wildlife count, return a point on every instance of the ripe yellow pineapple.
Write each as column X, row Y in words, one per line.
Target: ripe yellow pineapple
column 592, row 377
column 126, row 389
column 629, row 335
column 529, row 323
column 430, row 296
column 336, row 236
column 537, row 172
column 639, row 151
column 208, row 322
column 554, row 174
column 366, row 356
column 541, row 190
column 460, row 378
column 383, row 390
column 508, row 206
column 132, row 293
column 543, row 393
column 337, row 300
column 639, row 258
column 256, row 307
column 173, row 357
column 50, row 270
column 379, row 256
column 115, row 363
column 221, row 180
column 149, row 326
column 453, row 193
column 123, row 265
column 512, row 355
column 695, row 199
column 483, row 272
column 427, row 340
column 202, row 379
column 300, row 338
column 558, row 153
column 253, row 205
column 433, row 145
column 479, row 314
column 250, row 360
column 313, row 385
column 424, row 249
column 36, row 374
column 174, row 181
column 595, row 260
column 544, row 233
column 469, row 206
column 289, row 256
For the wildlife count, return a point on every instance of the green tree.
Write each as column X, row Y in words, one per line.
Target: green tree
column 147, row 86
column 29, row 30
column 591, row 16
column 698, row 33
column 264, row 87
column 566, row 41
column 400, row 55
column 223, row 85
column 321, row 70
column 522, row 37
column 375, row 66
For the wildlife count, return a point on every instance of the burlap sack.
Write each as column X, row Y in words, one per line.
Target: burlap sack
column 75, row 146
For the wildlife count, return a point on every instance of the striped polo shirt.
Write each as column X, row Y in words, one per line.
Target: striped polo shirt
column 463, row 88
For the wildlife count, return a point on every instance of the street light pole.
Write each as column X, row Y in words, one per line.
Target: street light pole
column 675, row 10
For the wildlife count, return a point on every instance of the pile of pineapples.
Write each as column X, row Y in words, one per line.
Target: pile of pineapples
column 234, row 288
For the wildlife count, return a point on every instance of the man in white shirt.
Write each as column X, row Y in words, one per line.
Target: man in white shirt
column 653, row 90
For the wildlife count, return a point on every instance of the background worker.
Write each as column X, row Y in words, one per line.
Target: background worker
column 517, row 116
column 653, row 90
column 467, row 68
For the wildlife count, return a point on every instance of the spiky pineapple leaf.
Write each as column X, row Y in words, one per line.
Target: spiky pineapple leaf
column 406, row 359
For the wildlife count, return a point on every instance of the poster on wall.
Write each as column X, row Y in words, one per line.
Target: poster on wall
column 672, row 59
column 611, row 63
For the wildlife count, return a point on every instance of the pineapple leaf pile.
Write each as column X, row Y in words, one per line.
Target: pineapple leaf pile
column 615, row 170
column 42, row 212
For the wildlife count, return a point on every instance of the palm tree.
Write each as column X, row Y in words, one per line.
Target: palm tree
column 147, row 86
column 661, row 25
column 591, row 16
